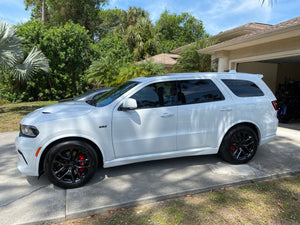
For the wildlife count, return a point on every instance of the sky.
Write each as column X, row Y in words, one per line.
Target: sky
column 216, row 15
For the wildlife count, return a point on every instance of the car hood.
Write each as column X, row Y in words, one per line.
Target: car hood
column 63, row 110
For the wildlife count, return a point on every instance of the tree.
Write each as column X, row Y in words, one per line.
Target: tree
column 142, row 39
column 110, row 20
column 270, row 2
column 57, row 12
column 133, row 14
column 178, row 30
column 12, row 58
column 146, row 69
column 69, row 50
column 111, row 53
column 191, row 60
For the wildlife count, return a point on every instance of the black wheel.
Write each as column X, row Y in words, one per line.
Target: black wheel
column 70, row 164
column 239, row 145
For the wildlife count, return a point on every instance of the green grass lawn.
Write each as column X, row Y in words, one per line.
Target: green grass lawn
column 269, row 202
column 11, row 114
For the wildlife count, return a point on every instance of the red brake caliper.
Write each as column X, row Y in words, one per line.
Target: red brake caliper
column 81, row 157
column 232, row 148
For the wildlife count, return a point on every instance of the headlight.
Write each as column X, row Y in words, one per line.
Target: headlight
column 28, row 131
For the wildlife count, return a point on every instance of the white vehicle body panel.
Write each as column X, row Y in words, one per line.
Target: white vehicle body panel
column 130, row 136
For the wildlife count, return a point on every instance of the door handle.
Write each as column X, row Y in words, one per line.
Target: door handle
column 166, row 115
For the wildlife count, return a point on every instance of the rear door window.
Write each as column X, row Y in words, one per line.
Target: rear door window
column 243, row 88
column 198, row 91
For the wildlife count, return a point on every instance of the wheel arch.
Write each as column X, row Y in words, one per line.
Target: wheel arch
column 249, row 124
column 49, row 146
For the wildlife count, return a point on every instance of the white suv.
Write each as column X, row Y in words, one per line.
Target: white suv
column 148, row 119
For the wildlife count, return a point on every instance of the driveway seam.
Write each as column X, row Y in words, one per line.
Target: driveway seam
column 23, row 196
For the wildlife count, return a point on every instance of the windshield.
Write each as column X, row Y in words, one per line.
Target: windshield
column 115, row 93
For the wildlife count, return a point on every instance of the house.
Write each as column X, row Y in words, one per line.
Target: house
column 168, row 60
column 271, row 50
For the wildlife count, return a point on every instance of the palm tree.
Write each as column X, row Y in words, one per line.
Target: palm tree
column 141, row 38
column 134, row 13
column 12, row 58
column 270, row 2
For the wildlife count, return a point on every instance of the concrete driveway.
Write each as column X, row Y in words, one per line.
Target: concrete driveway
column 29, row 200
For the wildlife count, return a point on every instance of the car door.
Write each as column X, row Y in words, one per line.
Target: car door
column 201, row 108
column 151, row 128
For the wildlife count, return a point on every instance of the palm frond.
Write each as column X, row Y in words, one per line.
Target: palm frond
column 10, row 51
column 270, row 2
column 35, row 61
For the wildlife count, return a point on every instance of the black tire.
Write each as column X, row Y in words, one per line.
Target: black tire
column 239, row 145
column 70, row 164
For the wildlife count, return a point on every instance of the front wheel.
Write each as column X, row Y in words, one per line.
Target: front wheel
column 70, row 164
column 239, row 145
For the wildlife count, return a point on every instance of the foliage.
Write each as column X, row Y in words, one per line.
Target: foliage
column 145, row 69
column 111, row 53
column 11, row 55
column 110, row 20
column 59, row 12
column 132, row 16
column 178, row 30
column 68, row 48
column 86, row 46
column 141, row 39
column 192, row 61
column 113, row 46
column 270, row 2
column 103, row 72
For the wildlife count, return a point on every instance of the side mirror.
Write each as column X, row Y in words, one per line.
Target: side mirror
column 129, row 104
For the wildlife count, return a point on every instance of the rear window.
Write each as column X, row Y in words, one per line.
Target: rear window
column 243, row 88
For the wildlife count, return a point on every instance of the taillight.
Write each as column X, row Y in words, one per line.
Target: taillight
column 274, row 103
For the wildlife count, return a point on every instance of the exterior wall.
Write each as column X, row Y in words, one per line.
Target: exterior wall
column 270, row 50
column 269, row 70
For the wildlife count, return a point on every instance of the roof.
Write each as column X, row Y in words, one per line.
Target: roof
column 209, row 75
column 266, row 32
column 245, row 31
column 240, row 31
column 164, row 58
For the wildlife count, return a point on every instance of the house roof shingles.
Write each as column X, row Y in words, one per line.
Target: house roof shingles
column 164, row 58
column 262, row 29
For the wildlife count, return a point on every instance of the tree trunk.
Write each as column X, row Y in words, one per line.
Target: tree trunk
column 43, row 11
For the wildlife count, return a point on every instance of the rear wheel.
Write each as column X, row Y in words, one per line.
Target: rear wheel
column 239, row 145
column 70, row 164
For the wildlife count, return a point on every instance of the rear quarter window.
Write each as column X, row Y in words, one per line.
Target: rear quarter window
column 243, row 88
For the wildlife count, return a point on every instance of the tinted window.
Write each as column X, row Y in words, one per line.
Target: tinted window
column 156, row 95
column 198, row 91
column 243, row 88
column 114, row 93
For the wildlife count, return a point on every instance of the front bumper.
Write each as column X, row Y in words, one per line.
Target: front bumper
column 26, row 148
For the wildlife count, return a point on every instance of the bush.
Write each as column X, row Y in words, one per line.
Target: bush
column 146, row 69
column 69, row 51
